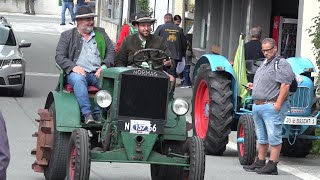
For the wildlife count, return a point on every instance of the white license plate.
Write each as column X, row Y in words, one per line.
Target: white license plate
column 142, row 127
column 295, row 120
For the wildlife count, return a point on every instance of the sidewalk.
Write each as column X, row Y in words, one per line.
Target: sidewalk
column 37, row 15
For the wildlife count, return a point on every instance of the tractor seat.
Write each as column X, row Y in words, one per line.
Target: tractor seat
column 91, row 89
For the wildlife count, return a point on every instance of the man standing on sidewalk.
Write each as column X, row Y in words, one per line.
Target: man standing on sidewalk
column 270, row 90
column 29, row 3
column 67, row 4
column 4, row 149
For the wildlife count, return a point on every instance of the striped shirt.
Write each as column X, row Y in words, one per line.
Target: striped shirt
column 267, row 80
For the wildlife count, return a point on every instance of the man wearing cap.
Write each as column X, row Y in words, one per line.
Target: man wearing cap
column 81, row 53
column 141, row 40
column 270, row 96
column 4, row 149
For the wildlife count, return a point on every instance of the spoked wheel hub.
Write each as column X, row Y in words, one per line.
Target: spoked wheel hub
column 202, row 109
column 240, row 140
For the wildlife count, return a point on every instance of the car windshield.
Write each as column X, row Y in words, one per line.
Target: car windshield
column 6, row 36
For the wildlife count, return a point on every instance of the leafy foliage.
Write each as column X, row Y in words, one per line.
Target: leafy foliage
column 314, row 33
column 144, row 6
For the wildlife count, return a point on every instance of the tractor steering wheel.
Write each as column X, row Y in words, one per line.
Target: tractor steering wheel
column 153, row 57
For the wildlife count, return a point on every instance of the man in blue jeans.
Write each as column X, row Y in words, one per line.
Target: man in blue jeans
column 82, row 52
column 4, row 149
column 270, row 90
column 67, row 4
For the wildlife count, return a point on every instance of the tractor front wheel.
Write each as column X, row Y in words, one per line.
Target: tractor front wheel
column 212, row 109
column 78, row 163
column 246, row 140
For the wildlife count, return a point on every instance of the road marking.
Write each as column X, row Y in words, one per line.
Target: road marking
column 283, row 167
column 42, row 74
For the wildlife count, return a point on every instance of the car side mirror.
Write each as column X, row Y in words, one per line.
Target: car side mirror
column 24, row 44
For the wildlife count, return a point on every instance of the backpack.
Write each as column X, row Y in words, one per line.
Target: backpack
column 294, row 84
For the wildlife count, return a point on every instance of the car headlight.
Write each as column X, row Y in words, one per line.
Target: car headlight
column 180, row 106
column 5, row 63
column 16, row 63
column 103, row 98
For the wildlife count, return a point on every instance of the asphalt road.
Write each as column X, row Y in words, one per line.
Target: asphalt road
column 43, row 32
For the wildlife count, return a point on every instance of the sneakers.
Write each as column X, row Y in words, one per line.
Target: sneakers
column 72, row 23
column 26, row 12
column 256, row 165
column 88, row 119
column 62, row 24
column 185, row 86
column 270, row 168
column 32, row 13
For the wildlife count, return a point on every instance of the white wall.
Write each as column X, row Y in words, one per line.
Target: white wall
column 40, row 6
column 308, row 9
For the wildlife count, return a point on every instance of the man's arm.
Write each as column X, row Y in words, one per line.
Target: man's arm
column 157, row 32
column 109, row 52
column 62, row 52
column 284, row 90
column 4, row 149
column 122, row 55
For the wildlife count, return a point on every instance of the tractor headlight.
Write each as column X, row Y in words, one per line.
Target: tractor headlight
column 180, row 106
column 103, row 98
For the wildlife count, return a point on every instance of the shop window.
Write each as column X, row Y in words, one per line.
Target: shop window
column 111, row 10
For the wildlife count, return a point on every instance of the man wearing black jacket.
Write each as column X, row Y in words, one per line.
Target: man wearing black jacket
column 175, row 39
column 4, row 149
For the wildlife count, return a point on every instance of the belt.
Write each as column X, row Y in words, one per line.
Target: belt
column 265, row 102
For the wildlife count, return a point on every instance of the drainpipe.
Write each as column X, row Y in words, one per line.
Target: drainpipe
column 184, row 15
column 120, row 18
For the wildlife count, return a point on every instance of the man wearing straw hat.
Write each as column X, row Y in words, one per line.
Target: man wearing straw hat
column 81, row 52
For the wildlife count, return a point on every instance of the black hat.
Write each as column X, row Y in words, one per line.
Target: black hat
column 142, row 17
column 85, row 12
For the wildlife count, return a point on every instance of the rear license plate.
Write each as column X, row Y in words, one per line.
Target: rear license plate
column 295, row 120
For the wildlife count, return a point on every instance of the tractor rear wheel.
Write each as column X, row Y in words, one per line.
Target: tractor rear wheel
column 212, row 109
column 78, row 164
column 56, row 169
column 246, row 140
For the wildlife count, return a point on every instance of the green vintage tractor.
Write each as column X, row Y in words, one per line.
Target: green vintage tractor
column 141, row 122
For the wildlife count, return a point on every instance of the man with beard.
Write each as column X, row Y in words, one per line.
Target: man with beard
column 141, row 40
column 81, row 52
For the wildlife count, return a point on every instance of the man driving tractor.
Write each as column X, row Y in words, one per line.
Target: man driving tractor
column 141, row 40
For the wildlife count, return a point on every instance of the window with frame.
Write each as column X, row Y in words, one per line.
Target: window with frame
column 111, row 10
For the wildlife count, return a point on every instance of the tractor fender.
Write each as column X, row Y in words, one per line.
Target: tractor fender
column 218, row 61
column 67, row 117
column 298, row 64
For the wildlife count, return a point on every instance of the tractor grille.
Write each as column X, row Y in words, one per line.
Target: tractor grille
column 301, row 98
column 143, row 97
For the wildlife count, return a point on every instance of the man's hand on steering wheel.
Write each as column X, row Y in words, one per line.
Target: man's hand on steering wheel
column 168, row 62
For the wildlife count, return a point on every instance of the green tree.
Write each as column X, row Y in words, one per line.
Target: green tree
column 144, row 6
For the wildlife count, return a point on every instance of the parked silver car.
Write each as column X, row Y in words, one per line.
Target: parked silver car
column 12, row 63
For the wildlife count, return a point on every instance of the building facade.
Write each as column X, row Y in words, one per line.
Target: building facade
column 220, row 22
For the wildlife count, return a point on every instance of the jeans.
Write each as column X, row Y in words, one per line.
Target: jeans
column 78, row 5
column 80, row 85
column 65, row 6
column 186, row 76
column 29, row 3
column 268, row 122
